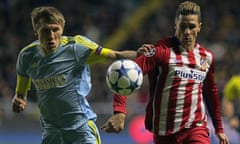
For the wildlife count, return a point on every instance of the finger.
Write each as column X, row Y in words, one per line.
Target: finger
column 109, row 128
column 148, row 46
column 22, row 106
column 105, row 127
column 21, row 101
column 16, row 108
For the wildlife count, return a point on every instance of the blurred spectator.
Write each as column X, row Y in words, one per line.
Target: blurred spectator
column 231, row 101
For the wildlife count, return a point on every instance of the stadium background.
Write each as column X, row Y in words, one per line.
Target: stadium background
column 118, row 24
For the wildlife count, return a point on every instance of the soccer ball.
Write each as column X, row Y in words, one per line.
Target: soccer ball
column 124, row 77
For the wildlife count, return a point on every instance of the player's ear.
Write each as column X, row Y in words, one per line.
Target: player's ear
column 34, row 30
column 175, row 23
column 200, row 26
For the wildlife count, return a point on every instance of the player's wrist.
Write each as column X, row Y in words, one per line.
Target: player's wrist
column 120, row 115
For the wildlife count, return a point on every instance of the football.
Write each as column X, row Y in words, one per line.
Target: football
column 124, row 77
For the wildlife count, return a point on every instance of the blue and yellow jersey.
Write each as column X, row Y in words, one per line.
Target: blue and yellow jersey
column 232, row 88
column 62, row 79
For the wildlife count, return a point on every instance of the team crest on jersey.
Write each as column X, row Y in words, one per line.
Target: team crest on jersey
column 150, row 53
column 203, row 64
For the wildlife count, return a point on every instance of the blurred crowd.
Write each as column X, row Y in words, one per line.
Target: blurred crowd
column 98, row 20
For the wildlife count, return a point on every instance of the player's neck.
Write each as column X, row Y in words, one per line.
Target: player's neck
column 47, row 52
column 189, row 47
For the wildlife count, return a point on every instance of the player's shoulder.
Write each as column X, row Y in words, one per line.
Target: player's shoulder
column 72, row 39
column 78, row 39
column 30, row 47
column 168, row 42
column 205, row 49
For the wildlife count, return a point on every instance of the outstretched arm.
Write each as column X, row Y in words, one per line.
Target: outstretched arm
column 129, row 54
column 116, row 122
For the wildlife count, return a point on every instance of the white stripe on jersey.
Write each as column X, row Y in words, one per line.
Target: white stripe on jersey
column 193, row 107
column 194, row 93
column 165, row 97
column 179, row 108
column 180, row 97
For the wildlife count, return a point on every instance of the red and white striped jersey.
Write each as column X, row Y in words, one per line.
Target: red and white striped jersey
column 180, row 81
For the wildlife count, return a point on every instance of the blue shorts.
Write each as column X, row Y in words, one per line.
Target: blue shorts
column 85, row 134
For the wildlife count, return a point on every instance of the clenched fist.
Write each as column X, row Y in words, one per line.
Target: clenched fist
column 18, row 103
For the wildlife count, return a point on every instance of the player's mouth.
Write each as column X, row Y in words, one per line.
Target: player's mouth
column 51, row 45
column 187, row 40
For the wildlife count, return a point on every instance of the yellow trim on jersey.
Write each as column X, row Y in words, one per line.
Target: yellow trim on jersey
column 23, row 85
column 102, row 57
column 98, row 54
column 80, row 40
column 29, row 46
column 83, row 41
column 92, row 125
column 232, row 88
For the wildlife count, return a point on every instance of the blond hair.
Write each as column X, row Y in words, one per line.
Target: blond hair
column 188, row 8
column 47, row 14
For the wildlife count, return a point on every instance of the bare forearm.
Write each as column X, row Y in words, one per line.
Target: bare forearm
column 128, row 54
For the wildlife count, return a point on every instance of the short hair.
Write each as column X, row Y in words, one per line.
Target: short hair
column 47, row 14
column 188, row 8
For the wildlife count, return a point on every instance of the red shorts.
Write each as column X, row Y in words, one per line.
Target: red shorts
column 196, row 135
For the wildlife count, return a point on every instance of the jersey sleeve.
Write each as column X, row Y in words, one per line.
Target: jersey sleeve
column 212, row 99
column 22, row 63
column 150, row 60
column 119, row 104
column 23, row 81
column 98, row 54
column 231, row 89
column 23, row 85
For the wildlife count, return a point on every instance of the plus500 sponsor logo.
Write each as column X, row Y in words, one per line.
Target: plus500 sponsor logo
column 190, row 74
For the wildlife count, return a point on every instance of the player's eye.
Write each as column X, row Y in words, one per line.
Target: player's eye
column 189, row 26
column 192, row 26
column 45, row 30
column 55, row 29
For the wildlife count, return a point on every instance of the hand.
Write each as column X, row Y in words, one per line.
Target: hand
column 144, row 48
column 115, row 123
column 18, row 103
column 223, row 139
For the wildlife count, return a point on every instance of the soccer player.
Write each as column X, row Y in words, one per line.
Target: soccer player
column 59, row 68
column 231, row 100
column 181, row 79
